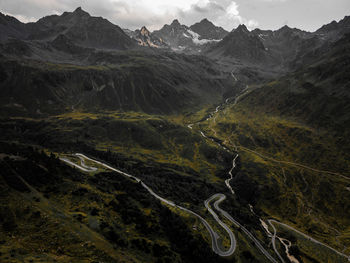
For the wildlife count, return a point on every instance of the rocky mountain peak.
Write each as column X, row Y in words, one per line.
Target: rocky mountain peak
column 175, row 23
column 285, row 28
column 80, row 12
column 205, row 21
column 242, row 28
column 144, row 31
column 207, row 30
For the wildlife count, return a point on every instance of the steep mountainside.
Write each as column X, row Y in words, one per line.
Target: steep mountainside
column 134, row 81
column 285, row 44
column 78, row 27
column 183, row 38
column 174, row 35
column 334, row 30
column 207, row 30
column 242, row 45
column 285, row 49
column 71, row 61
column 10, row 27
column 318, row 94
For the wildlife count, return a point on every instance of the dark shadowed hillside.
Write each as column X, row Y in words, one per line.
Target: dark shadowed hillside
column 78, row 27
column 135, row 81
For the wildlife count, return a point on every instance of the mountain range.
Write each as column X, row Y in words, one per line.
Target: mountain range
column 113, row 63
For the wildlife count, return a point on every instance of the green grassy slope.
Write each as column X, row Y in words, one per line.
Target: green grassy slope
column 292, row 137
column 119, row 221
column 288, row 171
column 51, row 212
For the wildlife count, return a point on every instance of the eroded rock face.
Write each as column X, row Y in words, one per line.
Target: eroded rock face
column 207, row 30
column 241, row 44
column 146, row 39
column 190, row 39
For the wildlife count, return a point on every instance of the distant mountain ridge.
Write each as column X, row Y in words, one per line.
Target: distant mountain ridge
column 78, row 27
column 145, row 38
column 183, row 38
column 317, row 93
column 207, row 30
column 285, row 48
column 75, row 32
column 335, row 29
column 240, row 44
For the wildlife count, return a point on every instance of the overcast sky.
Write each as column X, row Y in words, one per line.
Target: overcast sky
column 266, row 14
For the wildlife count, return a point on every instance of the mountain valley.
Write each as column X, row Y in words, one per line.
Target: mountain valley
column 185, row 144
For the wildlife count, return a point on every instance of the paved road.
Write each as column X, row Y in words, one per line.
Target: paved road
column 272, row 221
column 273, row 240
column 227, row 182
column 213, row 234
column 221, row 198
column 85, row 169
column 83, row 164
column 246, row 231
column 292, row 164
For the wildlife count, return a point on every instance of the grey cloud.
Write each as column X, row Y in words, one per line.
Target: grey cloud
column 133, row 13
column 215, row 11
column 210, row 7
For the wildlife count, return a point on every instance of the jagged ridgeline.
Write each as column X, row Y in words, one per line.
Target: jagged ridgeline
column 82, row 67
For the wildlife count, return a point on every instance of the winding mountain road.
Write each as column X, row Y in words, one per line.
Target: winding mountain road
column 219, row 197
column 272, row 221
column 82, row 167
column 213, row 234
column 216, row 246
column 227, row 182
column 222, row 197
column 273, row 241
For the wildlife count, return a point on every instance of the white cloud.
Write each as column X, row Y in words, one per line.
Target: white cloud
column 135, row 13
column 22, row 18
column 223, row 13
column 232, row 9
column 273, row 0
column 155, row 13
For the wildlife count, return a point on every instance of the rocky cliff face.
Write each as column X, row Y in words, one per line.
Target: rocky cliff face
column 207, row 30
column 242, row 45
column 146, row 39
column 190, row 39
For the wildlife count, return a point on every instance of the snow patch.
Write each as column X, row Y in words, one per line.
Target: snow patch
column 196, row 40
